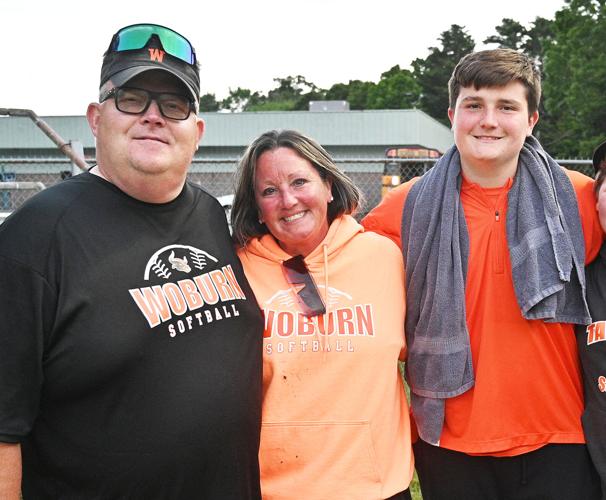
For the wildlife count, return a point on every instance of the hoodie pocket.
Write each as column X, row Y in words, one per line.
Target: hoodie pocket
column 320, row 460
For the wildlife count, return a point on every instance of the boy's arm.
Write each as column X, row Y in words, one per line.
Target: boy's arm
column 386, row 217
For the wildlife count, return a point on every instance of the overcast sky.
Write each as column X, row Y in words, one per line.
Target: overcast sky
column 52, row 50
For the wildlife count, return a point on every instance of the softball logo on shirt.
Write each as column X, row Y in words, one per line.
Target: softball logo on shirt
column 596, row 332
column 289, row 330
column 209, row 296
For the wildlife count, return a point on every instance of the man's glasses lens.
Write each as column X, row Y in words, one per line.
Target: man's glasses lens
column 298, row 275
column 136, row 37
column 136, row 101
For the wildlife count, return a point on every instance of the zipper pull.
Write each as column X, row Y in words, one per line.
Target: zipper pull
column 496, row 215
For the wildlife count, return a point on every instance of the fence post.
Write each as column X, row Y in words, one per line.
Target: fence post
column 78, row 150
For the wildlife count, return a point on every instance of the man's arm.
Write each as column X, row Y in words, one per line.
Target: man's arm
column 10, row 471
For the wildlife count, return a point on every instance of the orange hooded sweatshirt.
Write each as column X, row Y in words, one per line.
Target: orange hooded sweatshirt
column 335, row 416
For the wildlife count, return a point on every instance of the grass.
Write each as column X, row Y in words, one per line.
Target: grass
column 415, row 489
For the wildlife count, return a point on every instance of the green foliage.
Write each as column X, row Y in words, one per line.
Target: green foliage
column 575, row 85
column 415, row 488
column 208, row 102
column 433, row 72
column 290, row 93
column 236, row 100
column 273, row 105
column 358, row 93
column 569, row 51
column 338, row 92
column 510, row 35
column 538, row 37
column 302, row 104
column 532, row 41
column 290, row 88
column 397, row 89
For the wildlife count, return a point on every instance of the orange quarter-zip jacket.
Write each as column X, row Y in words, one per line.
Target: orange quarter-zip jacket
column 528, row 390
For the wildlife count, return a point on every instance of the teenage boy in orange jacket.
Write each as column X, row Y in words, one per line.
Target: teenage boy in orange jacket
column 494, row 239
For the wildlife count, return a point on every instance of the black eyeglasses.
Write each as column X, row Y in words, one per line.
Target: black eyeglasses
column 136, row 37
column 134, row 101
column 298, row 276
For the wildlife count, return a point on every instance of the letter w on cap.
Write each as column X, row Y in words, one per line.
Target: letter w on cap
column 156, row 54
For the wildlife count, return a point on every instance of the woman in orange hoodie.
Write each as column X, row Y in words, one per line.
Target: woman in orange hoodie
column 335, row 416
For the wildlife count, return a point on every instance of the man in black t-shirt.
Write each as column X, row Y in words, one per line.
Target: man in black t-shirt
column 130, row 341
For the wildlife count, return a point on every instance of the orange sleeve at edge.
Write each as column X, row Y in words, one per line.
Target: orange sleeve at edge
column 386, row 217
column 592, row 230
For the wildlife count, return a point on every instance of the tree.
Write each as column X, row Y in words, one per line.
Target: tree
column 208, row 102
column 433, row 72
column 575, row 86
column 240, row 100
column 302, row 103
column 290, row 93
column 356, row 92
column 532, row 41
column 539, row 36
column 236, row 100
column 397, row 89
column 511, row 35
column 359, row 94
column 290, row 88
column 338, row 92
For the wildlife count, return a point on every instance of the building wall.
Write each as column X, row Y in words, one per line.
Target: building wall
column 349, row 136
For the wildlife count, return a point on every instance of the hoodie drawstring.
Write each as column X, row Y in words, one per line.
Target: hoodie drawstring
column 326, row 326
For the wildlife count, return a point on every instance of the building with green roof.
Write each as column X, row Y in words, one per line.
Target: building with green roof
column 357, row 140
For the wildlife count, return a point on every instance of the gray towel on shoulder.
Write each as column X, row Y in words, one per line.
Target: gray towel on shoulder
column 547, row 253
column 545, row 239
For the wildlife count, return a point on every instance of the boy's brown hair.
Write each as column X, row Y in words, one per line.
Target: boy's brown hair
column 496, row 68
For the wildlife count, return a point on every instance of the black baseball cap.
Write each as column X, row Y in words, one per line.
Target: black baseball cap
column 138, row 48
column 599, row 155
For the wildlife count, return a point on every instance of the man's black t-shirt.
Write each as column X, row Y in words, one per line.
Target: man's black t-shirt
column 130, row 347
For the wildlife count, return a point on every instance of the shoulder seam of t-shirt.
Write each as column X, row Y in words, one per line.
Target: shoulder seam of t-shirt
column 61, row 213
column 29, row 268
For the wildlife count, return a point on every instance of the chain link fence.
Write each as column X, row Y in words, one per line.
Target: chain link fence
column 21, row 178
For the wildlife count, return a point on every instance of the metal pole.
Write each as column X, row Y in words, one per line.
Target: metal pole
column 22, row 185
column 64, row 146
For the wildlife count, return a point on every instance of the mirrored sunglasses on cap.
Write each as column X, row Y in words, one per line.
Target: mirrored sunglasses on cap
column 137, row 36
column 297, row 275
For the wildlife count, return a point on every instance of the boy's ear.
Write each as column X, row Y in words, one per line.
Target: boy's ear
column 451, row 116
column 532, row 121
